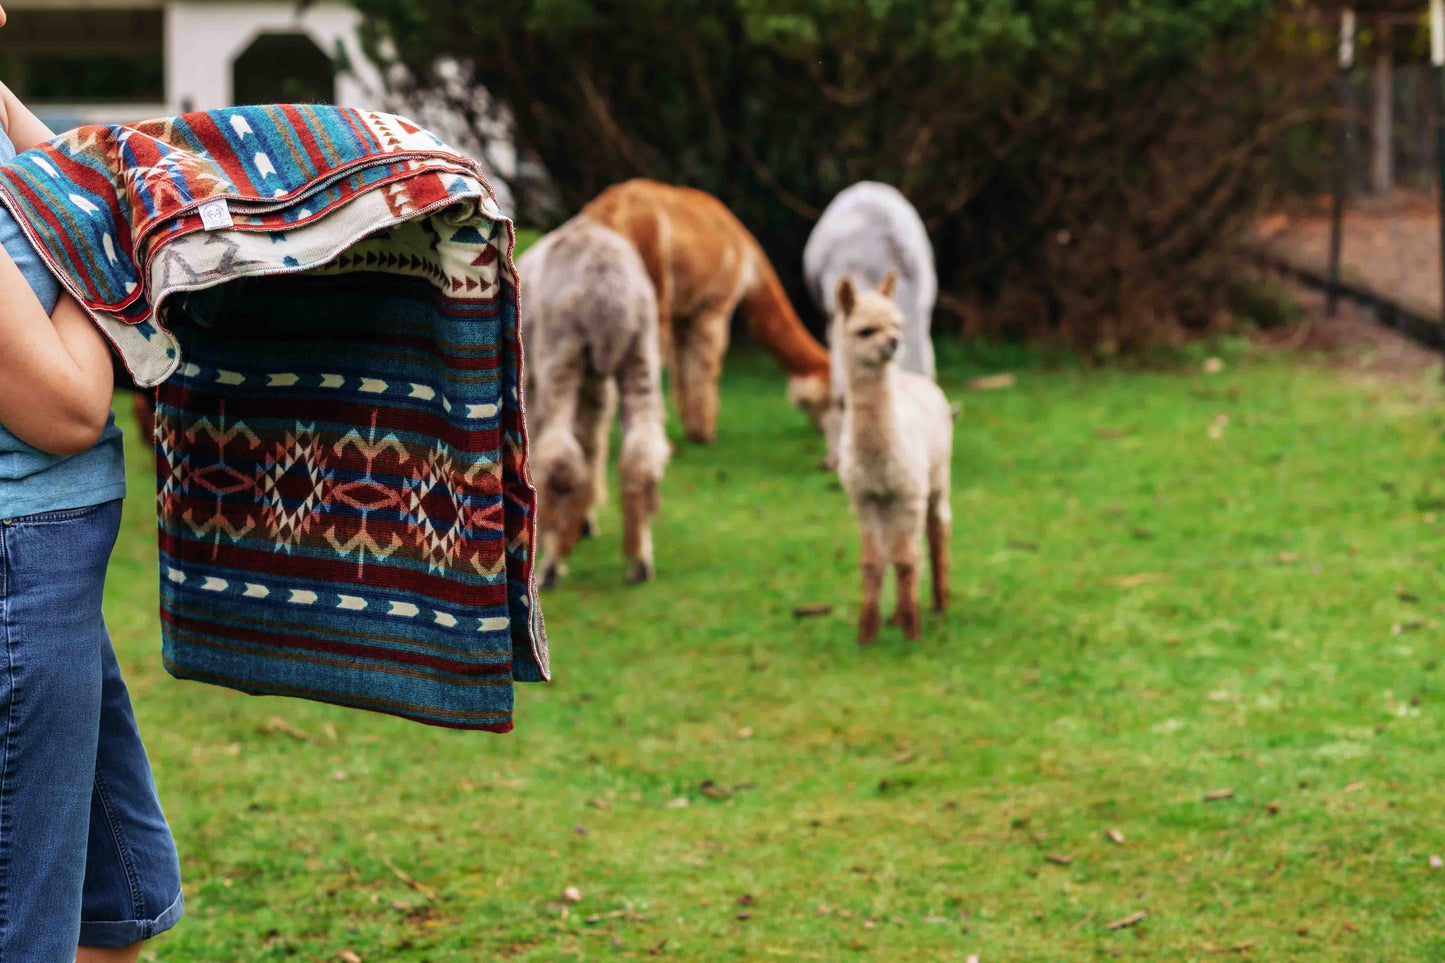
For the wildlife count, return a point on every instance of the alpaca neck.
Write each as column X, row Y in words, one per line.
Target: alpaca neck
column 870, row 406
column 773, row 321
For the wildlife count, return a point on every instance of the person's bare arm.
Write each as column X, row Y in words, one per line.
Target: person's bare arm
column 25, row 129
column 55, row 374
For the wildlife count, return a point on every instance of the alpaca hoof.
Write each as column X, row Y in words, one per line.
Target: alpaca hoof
column 868, row 628
column 897, row 618
column 589, row 528
column 639, row 572
column 549, row 577
column 912, row 630
column 828, row 464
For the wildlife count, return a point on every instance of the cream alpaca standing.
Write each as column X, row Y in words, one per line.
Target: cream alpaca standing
column 867, row 231
column 894, row 451
column 589, row 327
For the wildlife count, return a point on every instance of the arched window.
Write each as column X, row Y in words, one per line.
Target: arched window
column 283, row 68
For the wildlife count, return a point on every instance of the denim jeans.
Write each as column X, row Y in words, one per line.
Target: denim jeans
column 86, row 857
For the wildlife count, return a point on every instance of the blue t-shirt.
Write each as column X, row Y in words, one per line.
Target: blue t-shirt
column 30, row 480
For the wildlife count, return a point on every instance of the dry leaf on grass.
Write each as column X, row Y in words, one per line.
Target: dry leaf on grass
column 1436, row 862
column 1214, row 795
column 1058, row 859
column 681, row 802
column 1354, row 787
column 347, row 956
column 712, row 790
column 572, row 895
column 1115, row 837
column 1126, row 921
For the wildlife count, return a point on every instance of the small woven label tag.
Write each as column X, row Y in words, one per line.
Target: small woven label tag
column 215, row 214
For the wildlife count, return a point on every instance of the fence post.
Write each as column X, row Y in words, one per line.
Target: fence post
column 1342, row 173
column 1437, row 59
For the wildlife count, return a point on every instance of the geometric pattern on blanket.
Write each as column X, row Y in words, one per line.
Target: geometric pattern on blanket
column 345, row 509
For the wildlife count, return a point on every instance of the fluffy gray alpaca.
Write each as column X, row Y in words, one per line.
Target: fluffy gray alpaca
column 867, row 231
column 589, row 330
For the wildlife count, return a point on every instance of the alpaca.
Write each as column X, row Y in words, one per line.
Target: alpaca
column 589, row 330
column 867, row 231
column 704, row 264
column 895, row 446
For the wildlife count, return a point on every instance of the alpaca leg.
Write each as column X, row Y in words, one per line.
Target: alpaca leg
column 643, row 457
column 940, row 525
column 832, row 433
column 560, row 465
column 905, row 557
column 700, row 366
column 594, row 428
column 871, row 562
column 143, row 405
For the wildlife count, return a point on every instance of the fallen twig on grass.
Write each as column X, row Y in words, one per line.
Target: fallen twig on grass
column 1133, row 581
column 278, row 724
column 1236, row 948
column 1126, row 921
column 423, row 890
column 1214, row 795
column 992, row 382
column 808, row 611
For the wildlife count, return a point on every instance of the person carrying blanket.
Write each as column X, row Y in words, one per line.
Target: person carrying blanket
column 327, row 300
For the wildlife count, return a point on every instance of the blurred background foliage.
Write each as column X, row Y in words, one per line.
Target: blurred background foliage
column 1084, row 166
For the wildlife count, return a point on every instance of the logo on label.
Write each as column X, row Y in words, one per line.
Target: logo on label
column 215, row 214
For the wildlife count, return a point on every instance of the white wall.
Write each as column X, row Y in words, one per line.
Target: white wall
column 204, row 38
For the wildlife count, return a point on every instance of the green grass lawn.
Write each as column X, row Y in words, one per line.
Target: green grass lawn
column 1276, row 632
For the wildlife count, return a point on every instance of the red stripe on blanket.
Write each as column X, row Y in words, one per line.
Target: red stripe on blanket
column 306, row 408
column 278, row 564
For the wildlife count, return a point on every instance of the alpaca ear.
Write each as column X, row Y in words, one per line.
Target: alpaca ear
column 889, row 284
column 846, row 298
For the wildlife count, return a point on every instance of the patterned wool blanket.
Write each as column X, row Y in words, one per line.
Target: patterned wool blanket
column 328, row 302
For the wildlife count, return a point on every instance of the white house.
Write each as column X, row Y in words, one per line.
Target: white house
column 111, row 61
column 114, row 61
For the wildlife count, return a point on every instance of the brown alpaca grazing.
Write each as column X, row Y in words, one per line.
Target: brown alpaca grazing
column 894, row 455
column 704, row 264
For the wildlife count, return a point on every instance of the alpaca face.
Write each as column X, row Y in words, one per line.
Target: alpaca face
column 872, row 325
column 563, row 501
column 564, row 496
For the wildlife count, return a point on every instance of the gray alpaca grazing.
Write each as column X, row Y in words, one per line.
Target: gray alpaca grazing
column 589, row 330
column 867, row 231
